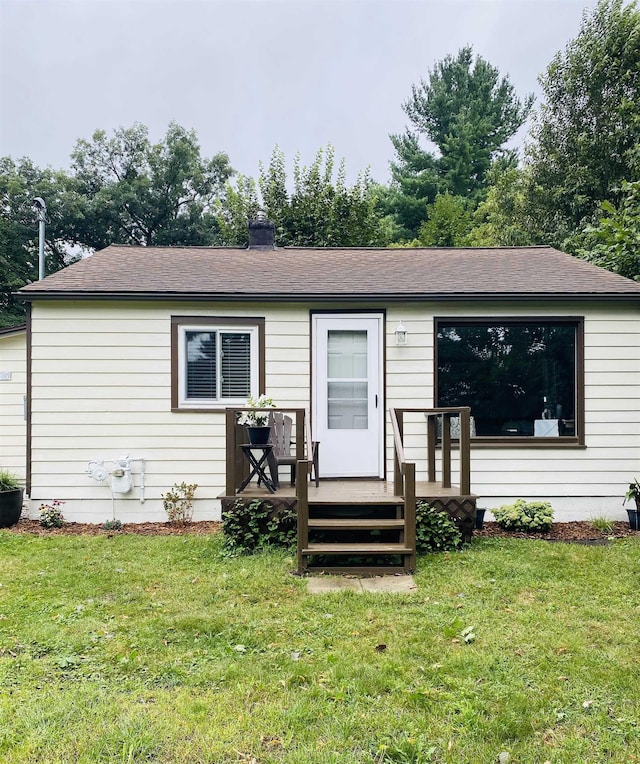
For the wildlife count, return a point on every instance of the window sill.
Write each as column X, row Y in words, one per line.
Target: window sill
column 527, row 442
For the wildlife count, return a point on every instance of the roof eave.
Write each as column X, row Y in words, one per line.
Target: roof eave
column 325, row 296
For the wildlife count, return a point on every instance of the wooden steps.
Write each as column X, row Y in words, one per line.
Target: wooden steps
column 369, row 529
column 356, row 549
column 354, row 524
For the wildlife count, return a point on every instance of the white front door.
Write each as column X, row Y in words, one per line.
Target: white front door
column 348, row 410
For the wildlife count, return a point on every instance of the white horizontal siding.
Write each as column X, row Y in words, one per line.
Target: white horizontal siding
column 13, row 433
column 101, row 388
column 612, row 409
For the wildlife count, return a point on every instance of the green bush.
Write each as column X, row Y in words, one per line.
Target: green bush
column 248, row 526
column 435, row 530
column 524, row 516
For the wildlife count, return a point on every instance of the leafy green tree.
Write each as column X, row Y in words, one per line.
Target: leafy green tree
column 586, row 139
column 468, row 112
column 614, row 243
column 318, row 211
column 501, row 219
column 20, row 182
column 447, row 224
column 134, row 191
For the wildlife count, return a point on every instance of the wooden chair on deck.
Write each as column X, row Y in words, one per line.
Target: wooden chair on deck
column 281, row 427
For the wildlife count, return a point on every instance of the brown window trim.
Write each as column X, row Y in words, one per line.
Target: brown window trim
column 562, row 441
column 248, row 321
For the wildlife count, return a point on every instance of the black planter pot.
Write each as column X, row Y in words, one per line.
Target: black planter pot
column 633, row 519
column 258, row 436
column 10, row 507
column 479, row 518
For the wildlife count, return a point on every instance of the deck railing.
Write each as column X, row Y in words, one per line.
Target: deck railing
column 236, row 465
column 402, row 473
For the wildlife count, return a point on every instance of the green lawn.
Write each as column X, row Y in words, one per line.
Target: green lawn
column 134, row 648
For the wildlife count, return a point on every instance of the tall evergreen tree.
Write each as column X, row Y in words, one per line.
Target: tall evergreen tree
column 468, row 112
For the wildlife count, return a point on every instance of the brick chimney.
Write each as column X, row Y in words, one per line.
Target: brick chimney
column 261, row 232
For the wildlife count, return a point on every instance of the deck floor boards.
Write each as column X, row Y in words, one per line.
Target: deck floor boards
column 351, row 492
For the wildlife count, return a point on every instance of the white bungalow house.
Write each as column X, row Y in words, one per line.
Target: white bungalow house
column 138, row 351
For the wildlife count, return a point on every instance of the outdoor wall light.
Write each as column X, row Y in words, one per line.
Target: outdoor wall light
column 401, row 334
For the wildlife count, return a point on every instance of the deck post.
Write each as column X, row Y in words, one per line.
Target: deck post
column 410, row 515
column 230, row 440
column 446, row 450
column 302, row 497
column 465, row 451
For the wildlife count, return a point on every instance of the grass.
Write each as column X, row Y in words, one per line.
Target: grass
column 158, row 649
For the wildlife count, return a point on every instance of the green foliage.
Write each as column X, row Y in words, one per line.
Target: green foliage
column 614, row 242
column 435, row 530
column 586, row 139
column 178, row 502
column 601, row 524
column 469, row 112
column 137, row 192
column 448, row 223
column 252, row 525
column 20, row 182
column 51, row 514
column 633, row 492
column 112, row 525
column 318, row 212
column 501, row 219
column 8, row 481
column 524, row 516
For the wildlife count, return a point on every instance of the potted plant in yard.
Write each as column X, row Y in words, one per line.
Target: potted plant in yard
column 633, row 493
column 257, row 422
column 10, row 499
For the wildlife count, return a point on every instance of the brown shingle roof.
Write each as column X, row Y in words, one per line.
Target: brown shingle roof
column 295, row 273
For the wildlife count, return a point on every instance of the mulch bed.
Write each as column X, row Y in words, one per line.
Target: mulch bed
column 577, row 532
column 140, row 529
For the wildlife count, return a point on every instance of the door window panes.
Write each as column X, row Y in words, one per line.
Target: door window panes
column 347, row 383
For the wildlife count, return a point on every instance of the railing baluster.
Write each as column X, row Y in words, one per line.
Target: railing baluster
column 432, row 422
column 465, row 451
column 446, row 450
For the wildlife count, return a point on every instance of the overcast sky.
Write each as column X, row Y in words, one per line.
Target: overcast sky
column 250, row 74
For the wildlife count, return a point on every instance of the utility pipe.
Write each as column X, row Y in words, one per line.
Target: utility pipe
column 41, row 207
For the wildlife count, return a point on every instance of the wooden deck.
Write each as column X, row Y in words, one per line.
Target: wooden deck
column 350, row 492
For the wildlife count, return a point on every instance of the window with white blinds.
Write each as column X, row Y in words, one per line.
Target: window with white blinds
column 217, row 365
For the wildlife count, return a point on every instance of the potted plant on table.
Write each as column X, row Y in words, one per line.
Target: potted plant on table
column 257, row 422
column 633, row 492
column 10, row 499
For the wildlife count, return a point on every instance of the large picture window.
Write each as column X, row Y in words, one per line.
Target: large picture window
column 216, row 362
column 521, row 378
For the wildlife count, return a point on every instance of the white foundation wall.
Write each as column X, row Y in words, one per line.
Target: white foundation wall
column 101, row 388
column 580, row 482
column 13, row 388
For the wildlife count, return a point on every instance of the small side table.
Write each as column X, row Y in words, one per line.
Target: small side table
column 259, row 464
